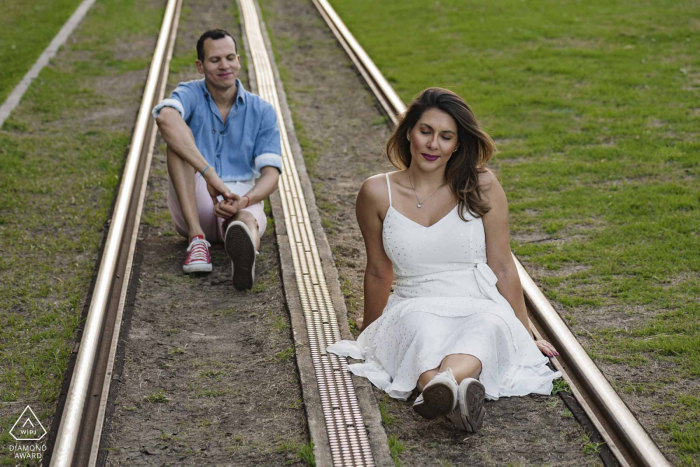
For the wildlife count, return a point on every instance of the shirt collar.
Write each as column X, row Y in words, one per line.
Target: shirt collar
column 241, row 95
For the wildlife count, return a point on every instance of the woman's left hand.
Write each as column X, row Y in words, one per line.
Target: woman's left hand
column 546, row 348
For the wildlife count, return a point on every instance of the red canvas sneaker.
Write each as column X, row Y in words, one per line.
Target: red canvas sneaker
column 198, row 259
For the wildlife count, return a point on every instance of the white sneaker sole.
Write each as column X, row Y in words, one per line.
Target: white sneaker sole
column 439, row 398
column 241, row 249
column 190, row 268
column 469, row 413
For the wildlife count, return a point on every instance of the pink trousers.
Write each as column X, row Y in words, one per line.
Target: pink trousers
column 211, row 224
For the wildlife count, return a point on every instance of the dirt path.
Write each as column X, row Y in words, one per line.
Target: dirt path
column 342, row 134
column 208, row 376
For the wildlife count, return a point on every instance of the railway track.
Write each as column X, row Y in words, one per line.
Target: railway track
column 627, row 439
column 79, row 432
column 338, row 429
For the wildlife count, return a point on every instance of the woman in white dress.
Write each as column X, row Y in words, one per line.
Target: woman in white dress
column 455, row 325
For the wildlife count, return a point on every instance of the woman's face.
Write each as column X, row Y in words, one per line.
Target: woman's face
column 433, row 140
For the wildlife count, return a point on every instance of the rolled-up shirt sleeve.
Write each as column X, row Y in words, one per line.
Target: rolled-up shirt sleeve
column 268, row 150
column 182, row 99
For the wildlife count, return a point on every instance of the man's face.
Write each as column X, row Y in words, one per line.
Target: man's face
column 221, row 63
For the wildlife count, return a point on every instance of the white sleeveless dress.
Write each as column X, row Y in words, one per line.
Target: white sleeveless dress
column 444, row 302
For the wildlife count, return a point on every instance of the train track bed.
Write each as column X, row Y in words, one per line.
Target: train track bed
column 61, row 155
column 205, row 375
column 341, row 133
column 208, row 374
column 602, row 218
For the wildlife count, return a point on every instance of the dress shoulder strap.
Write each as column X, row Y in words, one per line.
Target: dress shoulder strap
column 388, row 186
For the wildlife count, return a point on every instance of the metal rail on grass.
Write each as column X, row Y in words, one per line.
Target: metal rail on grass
column 73, row 432
column 627, row 439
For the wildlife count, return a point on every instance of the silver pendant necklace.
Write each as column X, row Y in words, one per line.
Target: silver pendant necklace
column 420, row 203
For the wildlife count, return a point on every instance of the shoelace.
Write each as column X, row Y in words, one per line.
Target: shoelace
column 198, row 250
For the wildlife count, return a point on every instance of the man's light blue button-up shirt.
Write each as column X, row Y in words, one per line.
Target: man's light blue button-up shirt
column 239, row 148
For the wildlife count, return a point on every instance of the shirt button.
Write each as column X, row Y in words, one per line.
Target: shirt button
column 213, row 131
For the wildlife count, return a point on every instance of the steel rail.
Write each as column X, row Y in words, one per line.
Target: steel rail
column 626, row 437
column 72, row 430
column 129, row 244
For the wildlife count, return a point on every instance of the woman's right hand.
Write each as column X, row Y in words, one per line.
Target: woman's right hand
column 546, row 348
column 359, row 324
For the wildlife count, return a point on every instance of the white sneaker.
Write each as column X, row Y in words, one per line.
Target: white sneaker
column 469, row 413
column 439, row 397
column 240, row 247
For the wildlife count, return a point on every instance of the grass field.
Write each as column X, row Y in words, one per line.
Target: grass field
column 594, row 107
column 61, row 155
column 19, row 50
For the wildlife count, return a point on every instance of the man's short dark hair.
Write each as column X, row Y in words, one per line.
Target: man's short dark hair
column 212, row 34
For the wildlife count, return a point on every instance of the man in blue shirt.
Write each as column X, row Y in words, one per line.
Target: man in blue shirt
column 224, row 158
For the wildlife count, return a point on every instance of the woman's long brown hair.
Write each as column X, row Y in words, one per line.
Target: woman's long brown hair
column 474, row 150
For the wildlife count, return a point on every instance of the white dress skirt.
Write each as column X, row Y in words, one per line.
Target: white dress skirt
column 445, row 302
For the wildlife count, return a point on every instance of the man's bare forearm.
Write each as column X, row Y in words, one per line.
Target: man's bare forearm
column 265, row 186
column 178, row 136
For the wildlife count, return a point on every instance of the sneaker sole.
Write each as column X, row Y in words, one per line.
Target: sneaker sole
column 196, row 268
column 475, row 411
column 240, row 248
column 438, row 399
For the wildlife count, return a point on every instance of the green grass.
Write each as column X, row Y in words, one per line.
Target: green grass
column 280, row 324
column 176, row 351
column 387, row 419
column 349, row 294
column 285, row 355
column 306, row 454
column 396, row 447
column 685, row 434
column 158, row 397
column 263, row 283
column 302, row 453
column 18, row 49
column 594, row 109
column 590, row 447
column 560, row 385
column 59, row 171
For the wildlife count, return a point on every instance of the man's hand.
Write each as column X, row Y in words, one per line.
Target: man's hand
column 217, row 188
column 228, row 208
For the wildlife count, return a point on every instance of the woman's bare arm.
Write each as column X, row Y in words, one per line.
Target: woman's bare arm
column 498, row 254
column 372, row 203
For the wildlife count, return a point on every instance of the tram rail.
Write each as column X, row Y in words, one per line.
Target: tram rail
column 80, row 427
column 79, row 432
column 629, row 442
